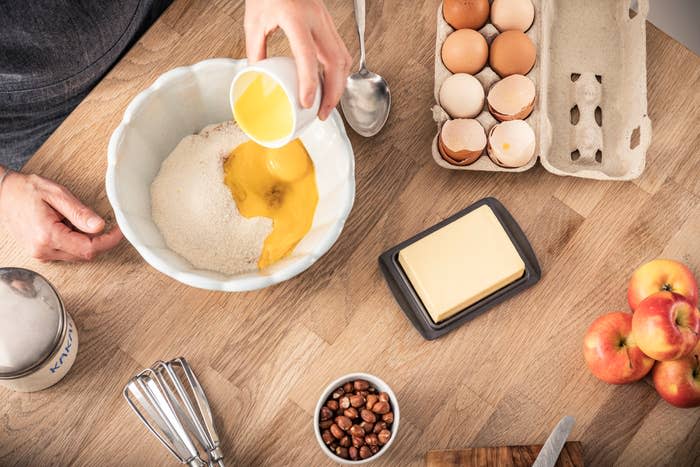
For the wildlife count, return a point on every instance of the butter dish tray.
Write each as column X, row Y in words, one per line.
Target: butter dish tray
column 411, row 304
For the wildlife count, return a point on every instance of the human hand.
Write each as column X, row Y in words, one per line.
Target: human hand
column 312, row 38
column 50, row 222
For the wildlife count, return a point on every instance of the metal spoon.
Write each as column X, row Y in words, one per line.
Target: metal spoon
column 366, row 100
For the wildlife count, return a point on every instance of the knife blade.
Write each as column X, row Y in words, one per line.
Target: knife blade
column 552, row 447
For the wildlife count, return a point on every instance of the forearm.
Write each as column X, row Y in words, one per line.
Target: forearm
column 4, row 172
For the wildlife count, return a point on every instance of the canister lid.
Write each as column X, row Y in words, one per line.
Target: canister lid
column 31, row 321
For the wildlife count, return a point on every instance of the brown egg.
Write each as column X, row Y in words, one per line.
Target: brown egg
column 512, row 52
column 471, row 14
column 465, row 51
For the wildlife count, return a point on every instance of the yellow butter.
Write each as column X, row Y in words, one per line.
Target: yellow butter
column 461, row 263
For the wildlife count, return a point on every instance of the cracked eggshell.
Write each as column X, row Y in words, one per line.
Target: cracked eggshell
column 511, row 98
column 462, row 96
column 511, row 144
column 461, row 141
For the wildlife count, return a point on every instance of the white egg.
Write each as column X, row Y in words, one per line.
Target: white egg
column 512, row 14
column 462, row 96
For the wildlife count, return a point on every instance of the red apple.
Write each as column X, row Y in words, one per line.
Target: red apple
column 678, row 381
column 666, row 326
column 610, row 350
column 658, row 275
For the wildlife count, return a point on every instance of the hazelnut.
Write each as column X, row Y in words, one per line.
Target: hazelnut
column 361, row 385
column 384, row 396
column 332, row 404
column 327, row 437
column 342, row 452
column 326, row 413
column 365, row 452
column 372, row 439
column 347, row 387
column 374, row 449
column 358, row 441
column 368, row 416
column 384, row 437
column 353, row 453
column 371, row 400
column 368, row 427
column 363, row 393
column 379, row 427
column 351, row 413
column 336, row 431
column 357, row 401
column 344, row 402
column 356, row 430
column 388, row 417
column 381, row 407
column 337, row 393
column 325, row 424
column 343, row 422
column 345, row 441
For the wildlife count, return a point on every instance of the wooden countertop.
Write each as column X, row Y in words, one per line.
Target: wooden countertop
column 263, row 357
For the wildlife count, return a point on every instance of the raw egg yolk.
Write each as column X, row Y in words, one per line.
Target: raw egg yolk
column 279, row 184
column 261, row 107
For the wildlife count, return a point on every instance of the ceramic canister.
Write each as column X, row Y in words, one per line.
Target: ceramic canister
column 38, row 339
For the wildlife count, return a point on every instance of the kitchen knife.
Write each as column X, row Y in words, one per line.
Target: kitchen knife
column 552, row 447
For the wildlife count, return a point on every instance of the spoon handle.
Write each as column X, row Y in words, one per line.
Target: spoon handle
column 360, row 21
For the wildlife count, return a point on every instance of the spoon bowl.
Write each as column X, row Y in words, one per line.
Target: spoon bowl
column 366, row 102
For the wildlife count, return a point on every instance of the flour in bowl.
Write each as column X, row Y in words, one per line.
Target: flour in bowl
column 194, row 209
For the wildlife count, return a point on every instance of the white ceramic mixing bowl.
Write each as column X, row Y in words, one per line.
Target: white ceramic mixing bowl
column 182, row 102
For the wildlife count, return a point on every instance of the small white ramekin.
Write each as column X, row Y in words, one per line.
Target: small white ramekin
column 284, row 71
column 381, row 386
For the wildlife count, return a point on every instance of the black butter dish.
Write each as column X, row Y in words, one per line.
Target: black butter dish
column 460, row 267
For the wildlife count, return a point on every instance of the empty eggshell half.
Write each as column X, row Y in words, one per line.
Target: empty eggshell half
column 511, row 98
column 461, row 141
column 462, row 96
column 511, row 143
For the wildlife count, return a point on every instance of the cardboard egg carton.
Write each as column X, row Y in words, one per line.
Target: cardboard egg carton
column 590, row 115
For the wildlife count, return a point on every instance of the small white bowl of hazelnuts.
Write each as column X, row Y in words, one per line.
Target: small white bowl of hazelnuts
column 356, row 419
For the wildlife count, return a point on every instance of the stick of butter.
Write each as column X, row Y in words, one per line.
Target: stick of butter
column 461, row 263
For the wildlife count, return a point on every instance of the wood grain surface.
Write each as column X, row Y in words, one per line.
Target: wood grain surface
column 263, row 357
column 504, row 456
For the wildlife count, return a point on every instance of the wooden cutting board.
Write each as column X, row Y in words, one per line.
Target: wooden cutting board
column 502, row 456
